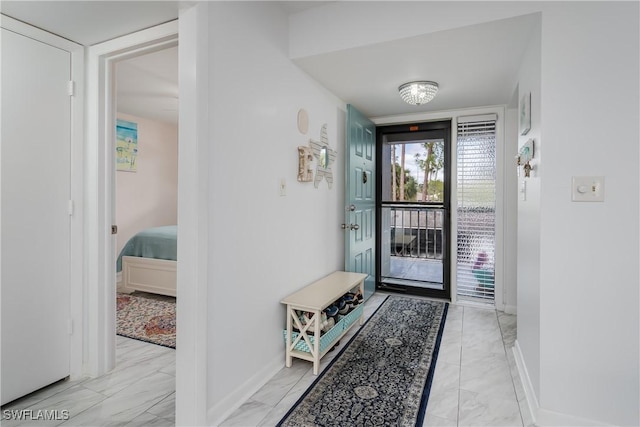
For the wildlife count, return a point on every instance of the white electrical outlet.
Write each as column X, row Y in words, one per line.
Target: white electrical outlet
column 587, row 189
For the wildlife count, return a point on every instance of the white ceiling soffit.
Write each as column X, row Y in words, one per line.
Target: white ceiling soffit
column 299, row 6
column 91, row 22
column 147, row 86
column 474, row 66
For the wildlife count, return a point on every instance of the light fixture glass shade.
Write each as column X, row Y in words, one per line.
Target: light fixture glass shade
column 416, row 93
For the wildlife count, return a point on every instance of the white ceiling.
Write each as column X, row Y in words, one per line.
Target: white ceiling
column 474, row 66
column 91, row 22
column 147, row 86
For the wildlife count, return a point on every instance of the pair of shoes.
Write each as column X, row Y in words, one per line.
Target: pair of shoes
column 326, row 323
column 305, row 317
column 358, row 297
column 352, row 302
column 332, row 311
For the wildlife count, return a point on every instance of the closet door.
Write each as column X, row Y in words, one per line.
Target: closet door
column 35, row 221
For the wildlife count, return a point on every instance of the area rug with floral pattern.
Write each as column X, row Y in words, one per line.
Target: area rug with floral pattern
column 147, row 317
column 383, row 375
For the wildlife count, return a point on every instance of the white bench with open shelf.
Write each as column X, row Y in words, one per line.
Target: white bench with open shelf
column 314, row 298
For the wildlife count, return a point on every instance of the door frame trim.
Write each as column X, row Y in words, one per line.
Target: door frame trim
column 402, row 128
column 100, row 191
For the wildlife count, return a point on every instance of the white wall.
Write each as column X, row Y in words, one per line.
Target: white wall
column 262, row 246
column 510, row 223
column 148, row 197
column 528, row 246
column 589, row 283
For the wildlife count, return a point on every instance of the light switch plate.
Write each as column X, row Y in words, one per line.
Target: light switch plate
column 283, row 187
column 587, row 189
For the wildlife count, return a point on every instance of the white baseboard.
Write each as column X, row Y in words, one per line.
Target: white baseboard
column 544, row 417
column 532, row 400
column 551, row 418
column 510, row 309
column 221, row 411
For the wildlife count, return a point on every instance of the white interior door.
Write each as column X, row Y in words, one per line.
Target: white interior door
column 35, row 222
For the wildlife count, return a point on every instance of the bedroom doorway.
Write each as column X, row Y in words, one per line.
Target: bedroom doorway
column 100, row 296
column 145, row 171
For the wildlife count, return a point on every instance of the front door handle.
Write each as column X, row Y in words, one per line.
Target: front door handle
column 350, row 226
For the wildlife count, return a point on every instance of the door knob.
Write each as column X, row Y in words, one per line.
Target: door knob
column 352, row 208
column 350, row 226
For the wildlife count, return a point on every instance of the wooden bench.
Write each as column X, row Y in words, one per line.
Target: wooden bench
column 314, row 298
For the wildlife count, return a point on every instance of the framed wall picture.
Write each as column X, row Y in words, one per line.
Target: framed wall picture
column 126, row 145
column 525, row 113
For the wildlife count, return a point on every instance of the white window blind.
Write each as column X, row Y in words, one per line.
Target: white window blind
column 476, row 205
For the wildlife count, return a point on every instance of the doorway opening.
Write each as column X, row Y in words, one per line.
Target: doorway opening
column 413, row 208
column 146, row 187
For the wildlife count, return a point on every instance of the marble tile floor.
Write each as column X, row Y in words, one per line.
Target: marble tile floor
column 140, row 391
column 476, row 382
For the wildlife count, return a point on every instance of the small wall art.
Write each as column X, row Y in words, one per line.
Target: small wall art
column 526, row 151
column 325, row 156
column 305, row 164
column 303, row 121
column 525, row 113
column 126, row 146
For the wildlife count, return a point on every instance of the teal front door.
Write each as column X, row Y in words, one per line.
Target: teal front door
column 360, row 198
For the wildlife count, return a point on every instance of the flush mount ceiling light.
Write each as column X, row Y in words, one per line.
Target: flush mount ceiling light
column 416, row 93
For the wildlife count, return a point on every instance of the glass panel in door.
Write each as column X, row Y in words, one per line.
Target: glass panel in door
column 414, row 210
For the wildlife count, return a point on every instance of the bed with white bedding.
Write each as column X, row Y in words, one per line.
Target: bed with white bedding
column 148, row 261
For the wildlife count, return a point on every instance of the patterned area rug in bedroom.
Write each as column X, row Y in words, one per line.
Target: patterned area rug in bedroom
column 383, row 376
column 147, row 317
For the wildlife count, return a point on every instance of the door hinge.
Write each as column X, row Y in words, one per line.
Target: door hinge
column 114, row 229
column 70, row 207
column 70, row 326
column 71, row 87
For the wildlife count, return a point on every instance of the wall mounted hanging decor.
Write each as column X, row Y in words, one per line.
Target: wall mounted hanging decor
column 126, row 146
column 325, row 156
column 303, row 121
column 525, row 113
column 524, row 157
column 305, row 164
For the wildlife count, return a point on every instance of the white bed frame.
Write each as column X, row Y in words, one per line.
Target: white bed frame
column 157, row 276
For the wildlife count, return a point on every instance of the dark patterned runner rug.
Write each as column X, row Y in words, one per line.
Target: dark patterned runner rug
column 383, row 375
column 147, row 317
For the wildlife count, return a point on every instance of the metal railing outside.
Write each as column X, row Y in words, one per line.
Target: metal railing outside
column 416, row 231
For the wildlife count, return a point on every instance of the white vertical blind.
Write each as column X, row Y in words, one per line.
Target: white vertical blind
column 476, row 206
